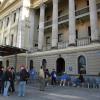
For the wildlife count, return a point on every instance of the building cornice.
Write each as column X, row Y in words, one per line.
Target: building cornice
column 37, row 3
column 9, row 9
column 68, row 50
column 5, row 8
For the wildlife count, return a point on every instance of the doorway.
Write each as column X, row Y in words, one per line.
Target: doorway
column 60, row 65
column 31, row 64
column 0, row 63
column 81, row 65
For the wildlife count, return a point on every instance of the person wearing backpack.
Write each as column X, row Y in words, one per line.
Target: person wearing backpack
column 22, row 81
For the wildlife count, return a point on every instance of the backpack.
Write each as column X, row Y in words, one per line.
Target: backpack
column 24, row 75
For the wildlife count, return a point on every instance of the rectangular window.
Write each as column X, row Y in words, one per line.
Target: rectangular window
column 5, row 40
column 14, row 19
column 7, row 21
column 87, row 2
column 12, row 37
column 47, row 18
column 1, row 24
column 59, row 12
column 60, row 37
column 89, row 31
column 47, row 40
column 76, row 34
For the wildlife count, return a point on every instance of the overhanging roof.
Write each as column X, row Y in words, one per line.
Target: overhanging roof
column 6, row 50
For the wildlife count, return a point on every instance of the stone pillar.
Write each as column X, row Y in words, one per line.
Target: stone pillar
column 72, row 34
column 21, row 29
column 9, row 29
column 55, row 24
column 93, row 21
column 32, row 24
column 41, row 27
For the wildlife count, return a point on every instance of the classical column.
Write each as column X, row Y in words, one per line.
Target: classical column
column 21, row 29
column 93, row 21
column 32, row 24
column 55, row 24
column 72, row 35
column 9, row 29
column 41, row 27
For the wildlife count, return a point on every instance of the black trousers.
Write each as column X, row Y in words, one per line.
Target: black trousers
column 12, row 87
column 53, row 81
column 1, row 86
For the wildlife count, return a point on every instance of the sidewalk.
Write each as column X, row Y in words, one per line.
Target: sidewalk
column 56, row 93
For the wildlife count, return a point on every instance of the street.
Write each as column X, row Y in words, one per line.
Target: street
column 56, row 93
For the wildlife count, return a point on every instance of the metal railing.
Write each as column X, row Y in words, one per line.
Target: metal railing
column 83, row 41
column 62, row 45
column 82, row 11
column 61, row 18
column 47, row 47
column 66, row 16
column 47, row 23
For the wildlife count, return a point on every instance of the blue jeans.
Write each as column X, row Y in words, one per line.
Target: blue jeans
column 21, row 91
column 6, row 88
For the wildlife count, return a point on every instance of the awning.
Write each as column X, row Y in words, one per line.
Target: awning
column 6, row 50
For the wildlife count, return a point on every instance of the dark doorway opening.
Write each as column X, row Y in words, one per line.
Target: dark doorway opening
column 81, row 65
column 0, row 63
column 31, row 64
column 44, row 63
column 7, row 63
column 60, row 65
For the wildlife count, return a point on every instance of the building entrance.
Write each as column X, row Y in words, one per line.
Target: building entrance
column 60, row 65
column 81, row 65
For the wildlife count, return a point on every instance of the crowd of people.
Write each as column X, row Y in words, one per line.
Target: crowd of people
column 8, row 76
column 7, row 80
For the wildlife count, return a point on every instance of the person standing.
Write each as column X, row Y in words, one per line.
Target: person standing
column 42, row 79
column 53, row 77
column 23, row 77
column 2, row 79
column 12, row 87
column 47, row 77
column 1, row 74
column 7, row 78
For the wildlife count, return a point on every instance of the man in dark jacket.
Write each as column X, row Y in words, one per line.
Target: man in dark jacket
column 1, row 74
column 7, row 78
column 12, row 87
column 22, row 83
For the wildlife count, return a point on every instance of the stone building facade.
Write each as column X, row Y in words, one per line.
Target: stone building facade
column 59, row 34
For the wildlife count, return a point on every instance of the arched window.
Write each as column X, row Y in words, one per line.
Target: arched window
column 44, row 63
column 81, row 65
